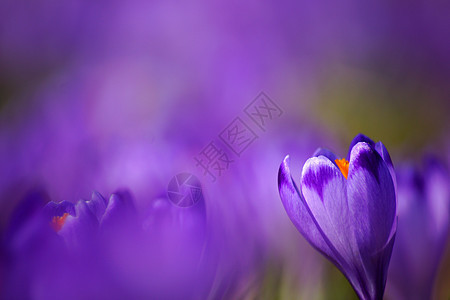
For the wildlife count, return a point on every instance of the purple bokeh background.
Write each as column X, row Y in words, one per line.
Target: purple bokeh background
column 103, row 96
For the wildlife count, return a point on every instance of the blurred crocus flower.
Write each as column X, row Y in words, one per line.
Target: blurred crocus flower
column 105, row 247
column 80, row 222
column 423, row 209
column 347, row 210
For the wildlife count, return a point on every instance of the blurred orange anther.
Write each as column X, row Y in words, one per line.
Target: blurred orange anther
column 343, row 166
column 58, row 222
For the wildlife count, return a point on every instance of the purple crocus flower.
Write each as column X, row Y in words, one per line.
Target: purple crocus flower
column 101, row 249
column 423, row 209
column 347, row 211
column 76, row 223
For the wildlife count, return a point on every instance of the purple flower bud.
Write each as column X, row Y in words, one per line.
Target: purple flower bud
column 423, row 209
column 347, row 211
column 80, row 223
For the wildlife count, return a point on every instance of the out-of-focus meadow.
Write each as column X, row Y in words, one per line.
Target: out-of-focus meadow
column 101, row 95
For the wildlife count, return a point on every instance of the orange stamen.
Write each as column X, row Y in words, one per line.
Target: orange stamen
column 58, row 222
column 343, row 166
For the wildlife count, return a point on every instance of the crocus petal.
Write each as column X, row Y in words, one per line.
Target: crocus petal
column 327, row 153
column 372, row 203
column 300, row 214
column 78, row 230
column 325, row 191
column 53, row 209
column 120, row 209
column 409, row 272
column 371, row 196
column 381, row 149
column 424, row 199
column 357, row 139
column 97, row 205
column 437, row 193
